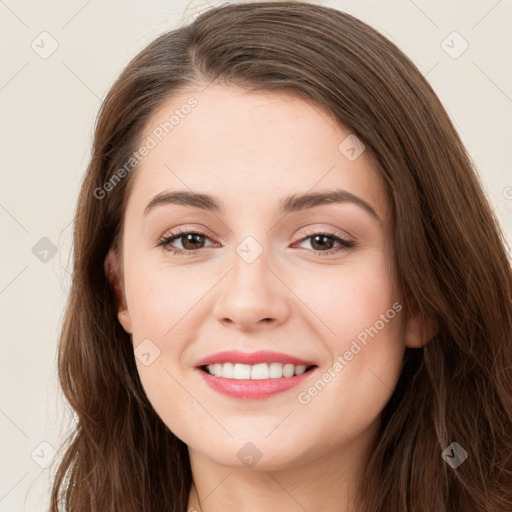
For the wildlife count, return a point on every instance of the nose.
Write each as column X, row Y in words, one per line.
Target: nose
column 252, row 296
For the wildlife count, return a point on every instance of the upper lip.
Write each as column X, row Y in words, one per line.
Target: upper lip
column 262, row 356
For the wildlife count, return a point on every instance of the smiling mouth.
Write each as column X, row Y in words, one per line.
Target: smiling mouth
column 260, row 371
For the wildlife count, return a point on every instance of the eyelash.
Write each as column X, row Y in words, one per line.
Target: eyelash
column 166, row 241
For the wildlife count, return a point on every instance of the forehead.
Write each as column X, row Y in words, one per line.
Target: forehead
column 250, row 147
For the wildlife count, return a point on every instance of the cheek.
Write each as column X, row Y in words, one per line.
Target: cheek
column 359, row 320
column 160, row 297
column 345, row 300
column 161, row 304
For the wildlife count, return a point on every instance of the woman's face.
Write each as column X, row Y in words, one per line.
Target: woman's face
column 265, row 271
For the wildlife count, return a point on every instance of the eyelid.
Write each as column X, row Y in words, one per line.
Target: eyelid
column 188, row 229
column 332, row 232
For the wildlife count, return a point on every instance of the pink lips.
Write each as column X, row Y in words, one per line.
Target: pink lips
column 262, row 356
column 249, row 388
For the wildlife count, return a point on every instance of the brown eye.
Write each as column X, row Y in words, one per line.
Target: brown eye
column 190, row 242
column 319, row 242
column 323, row 243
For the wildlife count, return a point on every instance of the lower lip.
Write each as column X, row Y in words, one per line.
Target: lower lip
column 249, row 388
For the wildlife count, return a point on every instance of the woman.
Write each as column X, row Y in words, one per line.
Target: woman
column 289, row 290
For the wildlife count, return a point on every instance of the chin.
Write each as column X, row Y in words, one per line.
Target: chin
column 258, row 455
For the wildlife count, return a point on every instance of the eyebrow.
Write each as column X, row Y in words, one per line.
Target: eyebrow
column 288, row 204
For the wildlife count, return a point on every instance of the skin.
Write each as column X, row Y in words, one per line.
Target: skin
column 250, row 150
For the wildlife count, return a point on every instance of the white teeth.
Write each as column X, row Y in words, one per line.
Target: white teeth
column 288, row 370
column 227, row 370
column 276, row 370
column 258, row 371
column 242, row 371
column 300, row 369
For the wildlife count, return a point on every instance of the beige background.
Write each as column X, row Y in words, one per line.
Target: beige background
column 48, row 108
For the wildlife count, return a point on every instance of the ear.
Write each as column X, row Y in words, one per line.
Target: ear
column 111, row 266
column 418, row 331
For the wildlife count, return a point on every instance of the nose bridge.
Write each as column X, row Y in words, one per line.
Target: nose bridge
column 250, row 261
column 251, row 292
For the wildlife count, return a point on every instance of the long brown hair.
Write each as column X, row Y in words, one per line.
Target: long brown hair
column 449, row 252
